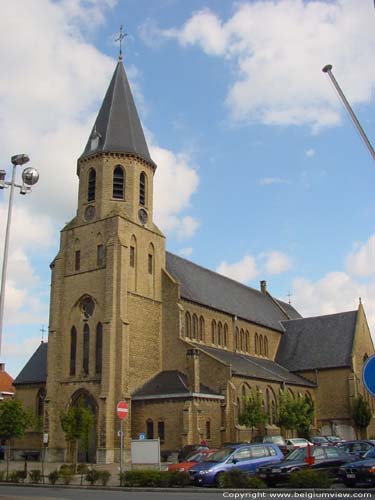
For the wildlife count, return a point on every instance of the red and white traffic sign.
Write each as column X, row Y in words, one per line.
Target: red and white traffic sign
column 122, row 410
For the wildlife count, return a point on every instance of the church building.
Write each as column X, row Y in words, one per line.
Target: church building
column 181, row 344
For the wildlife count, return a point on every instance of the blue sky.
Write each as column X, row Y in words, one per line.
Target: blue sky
column 261, row 174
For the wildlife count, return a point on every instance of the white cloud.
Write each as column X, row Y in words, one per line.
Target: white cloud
column 276, row 262
column 360, row 262
column 268, row 181
column 244, row 270
column 279, row 48
column 310, row 152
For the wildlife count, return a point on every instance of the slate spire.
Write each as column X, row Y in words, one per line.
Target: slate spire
column 117, row 128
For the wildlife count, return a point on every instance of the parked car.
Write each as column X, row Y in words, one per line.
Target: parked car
column 189, row 448
column 194, row 458
column 243, row 457
column 335, row 439
column 360, row 471
column 295, row 443
column 2, row 452
column 327, row 458
column 278, row 440
column 320, row 441
column 356, row 448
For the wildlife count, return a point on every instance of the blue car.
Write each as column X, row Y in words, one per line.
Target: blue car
column 243, row 457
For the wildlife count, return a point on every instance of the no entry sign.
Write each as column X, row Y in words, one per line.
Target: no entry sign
column 122, row 410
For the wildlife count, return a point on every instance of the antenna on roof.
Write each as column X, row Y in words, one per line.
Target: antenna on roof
column 328, row 69
column 120, row 39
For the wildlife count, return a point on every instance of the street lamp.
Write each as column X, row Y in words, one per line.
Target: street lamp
column 30, row 176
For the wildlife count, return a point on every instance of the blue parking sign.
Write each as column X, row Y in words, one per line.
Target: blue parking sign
column 142, row 436
column 368, row 375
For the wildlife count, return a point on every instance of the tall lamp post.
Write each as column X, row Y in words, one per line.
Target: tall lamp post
column 30, row 176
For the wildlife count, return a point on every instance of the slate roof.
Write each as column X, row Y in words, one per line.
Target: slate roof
column 318, row 342
column 35, row 370
column 257, row 368
column 211, row 289
column 170, row 382
column 118, row 122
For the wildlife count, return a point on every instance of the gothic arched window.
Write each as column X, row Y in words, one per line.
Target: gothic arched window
column 247, row 341
column 256, row 341
column 241, row 340
column 40, row 402
column 99, row 348
column 266, row 346
column 73, row 351
column 118, row 183
column 213, row 332
column 261, row 352
column 86, row 349
column 195, row 327
column 91, row 185
column 188, row 325
column 142, row 189
column 225, row 335
column 219, row 333
column 236, row 340
column 201, row 328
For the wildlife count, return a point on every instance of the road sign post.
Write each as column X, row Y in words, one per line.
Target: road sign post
column 122, row 413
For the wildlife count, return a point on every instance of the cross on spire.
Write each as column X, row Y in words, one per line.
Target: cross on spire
column 289, row 295
column 43, row 331
column 120, row 39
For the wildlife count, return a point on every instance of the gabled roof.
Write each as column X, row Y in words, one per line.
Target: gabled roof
column 170, row 383
column 35, row 370
column 318, row 342
column 210, row 289
column 257, row 368
column 117, row 125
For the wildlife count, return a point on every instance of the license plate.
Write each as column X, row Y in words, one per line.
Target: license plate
column 274, row 470
column 350, row 476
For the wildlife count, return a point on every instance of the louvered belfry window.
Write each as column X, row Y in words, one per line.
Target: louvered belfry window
column 73, row 351
column 86, row 349
column 91, row 185
column 142, row 189
column 118, row 183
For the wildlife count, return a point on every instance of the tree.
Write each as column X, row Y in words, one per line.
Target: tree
column 286, row 415
column 14, row 421
column 77, row 423
column 361, row 414
column 295, row 414
column 253, row 414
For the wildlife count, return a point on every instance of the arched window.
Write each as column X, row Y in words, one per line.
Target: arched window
column 261, row 345
column 225, row 335
column 40, row 402
column 241, row 340
column 99, row 348
column 213, row 332
column 118, row 183
column 149, row 429
column 142, row 189
column 256, row 342
column 247, row 341
column 219, row 333
column 91, row 185
column 201, row 328
column 73, row 351
column 268, row 405
column 266, row 346
column 243, row 395
column 86, row 349
column 236, row 339
column 195, row 327
column 187, row 325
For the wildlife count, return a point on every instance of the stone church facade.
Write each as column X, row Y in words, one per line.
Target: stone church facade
column 181, row 344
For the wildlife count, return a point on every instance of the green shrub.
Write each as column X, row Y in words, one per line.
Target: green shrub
column 104, row 477
column 310, row 479
column 2, row 475
column 178, row 479
column 66, row 474
column 92, row 476
column 17, row 476
column 35, row 476
column 256, row 483
column 68, row 468
column 53, row 476
column 236, row 478
column 82, row 469
column 145, row 478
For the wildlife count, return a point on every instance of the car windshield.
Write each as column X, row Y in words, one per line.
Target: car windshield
column 298, row 454
column 194, row 457
column 220, row 455
column 370, row 453
column 274, row 439
column 319, row 440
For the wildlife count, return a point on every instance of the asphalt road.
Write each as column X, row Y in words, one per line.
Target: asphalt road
column 57, row 493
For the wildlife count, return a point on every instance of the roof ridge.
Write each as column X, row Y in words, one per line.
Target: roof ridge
column 319, row 316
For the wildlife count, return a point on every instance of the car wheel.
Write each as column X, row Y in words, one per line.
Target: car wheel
column 219, row 480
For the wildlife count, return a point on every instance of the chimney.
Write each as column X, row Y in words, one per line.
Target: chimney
column 263, row 286
column 192, row 370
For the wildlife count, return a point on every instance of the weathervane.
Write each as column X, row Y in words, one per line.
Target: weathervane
column 120, row 39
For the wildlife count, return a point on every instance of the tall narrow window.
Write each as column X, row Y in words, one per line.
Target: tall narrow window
column 77, row 260
column 261, row 345
column 195, row 327
column 150, row 429
column 99, row 348
column 266, row 346
column 40, row 402
column 86, row 349
column 150, row 263
column 208, row 429
column 132, row 257
column 241, row 340
column 236, row 339
column 201, row 328
column 91, row 185
column 100, row 256
column 73, row 351
column 142, row 189
column 225, row 335
column 213, row 332
column 187, row 325
column 118, row 183
column 256, row 343
column 247, row 338
column 161, row 431
column 219, row 333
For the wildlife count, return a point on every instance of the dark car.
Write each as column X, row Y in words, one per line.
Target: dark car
column 356, row 448
column 189, row 448
column 325, row 458
column 246, row 458
column 278, row 440
column 335, row 440
column 361, row 471
column 320, row 441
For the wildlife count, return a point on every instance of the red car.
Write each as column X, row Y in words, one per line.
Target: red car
column 194, row 458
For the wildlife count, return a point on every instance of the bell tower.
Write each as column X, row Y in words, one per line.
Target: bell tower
column 106, row 309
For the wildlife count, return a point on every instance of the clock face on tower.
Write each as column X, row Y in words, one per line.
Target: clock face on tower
column 89, row 213
column 142, row 216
